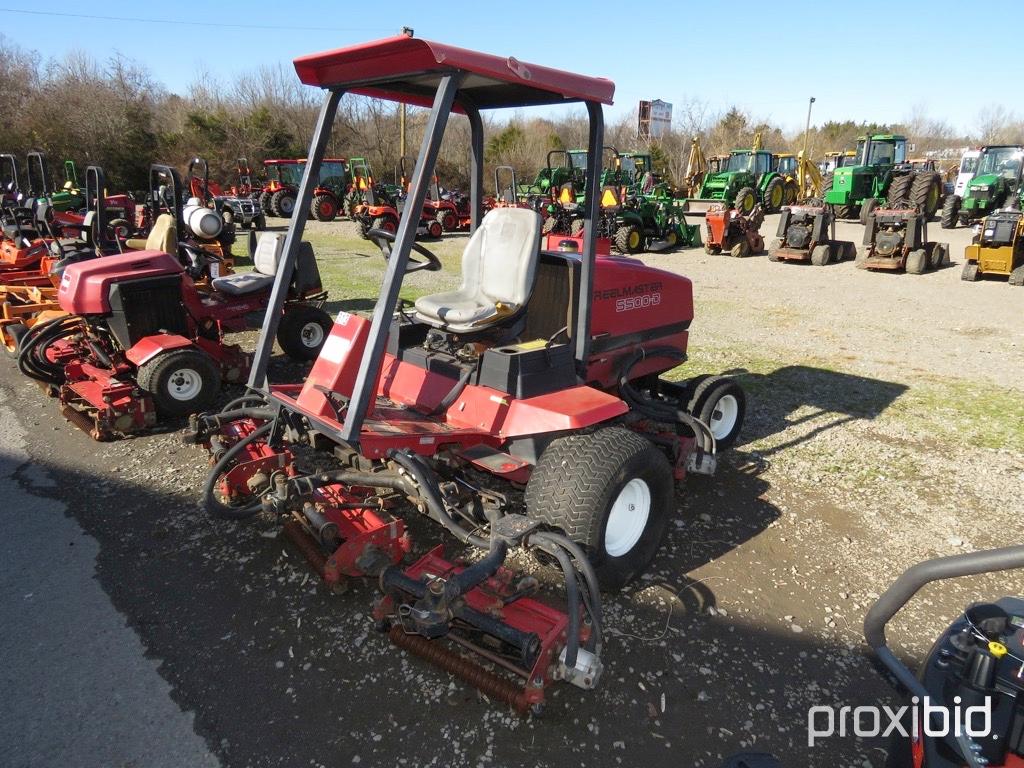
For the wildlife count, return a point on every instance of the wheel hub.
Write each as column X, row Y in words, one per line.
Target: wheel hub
column 184, row 384
column 312, row 334
column 723, row 418
column 628, row 518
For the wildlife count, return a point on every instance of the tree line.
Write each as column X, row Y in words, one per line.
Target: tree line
column 115, row 114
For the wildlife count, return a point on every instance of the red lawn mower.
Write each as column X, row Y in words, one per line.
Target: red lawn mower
column 141, row 340
column 382, row 208
column 541, row 371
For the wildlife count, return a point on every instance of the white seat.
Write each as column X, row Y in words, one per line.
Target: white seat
column 498, row 270
column 265, row 263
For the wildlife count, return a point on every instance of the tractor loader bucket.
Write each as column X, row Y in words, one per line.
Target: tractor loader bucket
column 694, row 207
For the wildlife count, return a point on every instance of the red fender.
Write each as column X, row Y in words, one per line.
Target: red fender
column 146, row 349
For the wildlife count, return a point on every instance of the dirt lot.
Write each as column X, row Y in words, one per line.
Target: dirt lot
column 885, row 425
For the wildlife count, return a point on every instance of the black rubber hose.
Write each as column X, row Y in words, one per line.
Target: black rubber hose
column 34, row 365
column 476, row 574
column 585, row 567
column 572, row 599
column 430, row 493
column 210, row 502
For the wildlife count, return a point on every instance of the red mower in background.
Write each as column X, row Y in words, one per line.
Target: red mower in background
column 541, row 370
column 282, row 188
column 142, row 341
column 732, row 232
column 382, row 208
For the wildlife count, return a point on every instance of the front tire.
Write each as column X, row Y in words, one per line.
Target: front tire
column 629, row 239
column 282, row 203
column 181, row 381
column 303, row 331
column 324, row 208
column 950, row 212
column 745, row 200
column 917, row 262
column 721, row 404
column 774, row 195
column 612, row 491
column 821, row 255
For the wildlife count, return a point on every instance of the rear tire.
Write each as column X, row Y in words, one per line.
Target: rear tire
column 629, row 239
column 181, row 381
column 926, row 192
column 448, row 220
column 612, row 491
column 846, row 211
column 866, row 209
column 775, row 245
column 548, row 227
column 303, row 331
column 264, row 201
column 386, row 223
column 741, row 250
column 576, row 229
column 939, row 257
column 950, row 212
column 721, row 403
column 774, row 195
column 282, row 203
column 792, row 191
column 324, row 208
column 745, row 200
column 898, row 195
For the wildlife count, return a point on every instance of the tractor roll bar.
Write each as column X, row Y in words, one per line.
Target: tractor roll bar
column 406, row 69
column 96, row 198
column 37, row 160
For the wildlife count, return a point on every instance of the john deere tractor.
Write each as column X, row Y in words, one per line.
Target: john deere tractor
column 996, row 184
column 747, row 178
column 880, row 175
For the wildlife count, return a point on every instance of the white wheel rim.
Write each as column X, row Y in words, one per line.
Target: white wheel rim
column 628, row 518
column 312, row 334
column 723, row 418
column 184, row 384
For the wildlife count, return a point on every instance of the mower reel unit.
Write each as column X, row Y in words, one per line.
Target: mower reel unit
column 998, row 249
column 808, row 233
column 734, row 233
column 897, row 239
column 541, row 370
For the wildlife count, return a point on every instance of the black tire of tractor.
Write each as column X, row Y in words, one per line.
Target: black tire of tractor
column 159, row 377
column 303, row 330
column 926, row 192
column 264, row 202
column 324, row 208
column 704, row 404
column 434, row 229
column 449, row 221
column 282, row 203
column 629, row 239
column 386, row 223
column 866, row 209
column 576, row 229
column 775, row 195
column 950, row 212
column 548, row 227
column 970, row 273
column 13, row 334
column 826, row 186
column 578, row 480
column 792, row 191
column 898, row 194
column 1017, row 276
column 745, row 200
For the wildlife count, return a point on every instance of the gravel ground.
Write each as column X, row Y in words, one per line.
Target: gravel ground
column 885, row 425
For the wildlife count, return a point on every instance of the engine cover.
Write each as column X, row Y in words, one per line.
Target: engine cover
column 85, row 287
column 798, row 237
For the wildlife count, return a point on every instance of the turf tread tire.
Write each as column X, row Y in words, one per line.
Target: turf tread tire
column 152, row 376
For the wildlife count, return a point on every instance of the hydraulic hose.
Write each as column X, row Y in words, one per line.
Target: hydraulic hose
column 592, row 598
column 33, row 363
column 210, row 501
column 572, row 598
column 661, row 411
column 432, row 495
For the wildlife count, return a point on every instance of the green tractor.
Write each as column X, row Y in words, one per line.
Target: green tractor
column 748, row 177
column 996, row 184
column 68, row 198
column 879, row 175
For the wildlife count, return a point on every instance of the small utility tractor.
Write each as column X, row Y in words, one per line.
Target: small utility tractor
column 732, row 232
column 278, row 195
column 68, row 198
column 998, row 249
column 808, row 233
column 996, row 184
column 140, row 341
column 747, row 178
column 450, row 208
column 896, row 239
column 879, row 176
column 541, row 371
column 382, row 209
column 786, row 167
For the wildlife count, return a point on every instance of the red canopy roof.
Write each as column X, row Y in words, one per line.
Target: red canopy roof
column 408, row 69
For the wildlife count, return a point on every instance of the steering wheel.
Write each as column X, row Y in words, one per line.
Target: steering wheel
column 383, row 239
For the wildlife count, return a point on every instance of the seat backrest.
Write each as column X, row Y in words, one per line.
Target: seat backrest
column 163, row 236
column 500, row 260
column 267, row 257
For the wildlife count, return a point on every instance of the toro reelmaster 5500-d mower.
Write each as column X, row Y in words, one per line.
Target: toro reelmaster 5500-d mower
column 141, row 340
column 541, row 371
column 808, row 233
